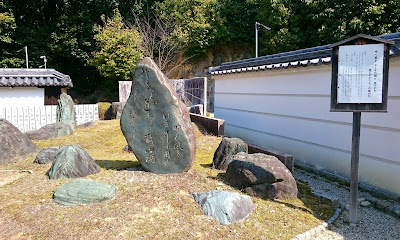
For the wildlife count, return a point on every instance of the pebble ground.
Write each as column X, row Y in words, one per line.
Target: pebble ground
column 373, row 223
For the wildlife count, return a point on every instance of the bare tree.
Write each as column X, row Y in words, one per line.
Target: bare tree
column 162, row 40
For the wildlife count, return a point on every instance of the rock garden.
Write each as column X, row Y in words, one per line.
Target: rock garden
column 178, row 182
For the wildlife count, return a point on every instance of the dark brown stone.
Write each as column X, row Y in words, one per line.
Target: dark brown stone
column 14, row 145
column 48, row 131
column 114, row 111
column 156, row 124
column 262, row 176
column 226, row 150
column 47, row 155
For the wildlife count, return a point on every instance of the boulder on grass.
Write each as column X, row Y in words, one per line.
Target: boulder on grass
column 261, row 175
column 156, row 124
column 72, row 162
column 226, row 150
column 48, row 131
column 226, row 207
column 47, row 155
column 14, row 145
column 114, row 111
column 84, row 191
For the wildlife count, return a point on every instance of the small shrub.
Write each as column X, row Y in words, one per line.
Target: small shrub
column 103, row 106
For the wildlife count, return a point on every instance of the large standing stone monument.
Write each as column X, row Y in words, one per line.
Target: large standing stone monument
column 66, row 110
column 156, row 124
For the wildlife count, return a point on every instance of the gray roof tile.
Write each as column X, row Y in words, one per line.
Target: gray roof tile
column 19, row 77
column 303, row 57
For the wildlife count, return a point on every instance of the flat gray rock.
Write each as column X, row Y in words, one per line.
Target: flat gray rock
column 72, row 162
column 48, row 131
column 84, row 191
column 156, row 124
column 227, row 148
column 14, row 145
column 226, row 207
column 47, row 155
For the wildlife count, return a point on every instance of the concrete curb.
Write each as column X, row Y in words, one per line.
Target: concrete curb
column 318, row 229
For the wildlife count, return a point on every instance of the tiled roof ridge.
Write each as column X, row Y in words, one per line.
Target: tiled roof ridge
column 17, row 77
column 302, row 57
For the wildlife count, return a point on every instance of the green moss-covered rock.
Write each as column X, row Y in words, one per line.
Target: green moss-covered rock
column 72, row 162
column 84, row 191
column 156, row 124
column 66, row 110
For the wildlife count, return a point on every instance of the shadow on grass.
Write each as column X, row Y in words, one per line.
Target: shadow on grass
column 119, row 165
column 220, row 177
column 206, row 165
column 320, row 208
column 202, row 129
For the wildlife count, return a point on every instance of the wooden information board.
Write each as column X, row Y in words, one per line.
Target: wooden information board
column 360, row 68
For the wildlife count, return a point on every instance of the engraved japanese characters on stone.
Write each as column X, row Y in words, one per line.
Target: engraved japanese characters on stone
column 156, row 124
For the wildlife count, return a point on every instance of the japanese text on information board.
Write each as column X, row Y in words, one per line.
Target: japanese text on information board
column 360, row 73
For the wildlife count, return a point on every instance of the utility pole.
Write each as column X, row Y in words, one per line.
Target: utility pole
column 26, row 56
column 257, row 25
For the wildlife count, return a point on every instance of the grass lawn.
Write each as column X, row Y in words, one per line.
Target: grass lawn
column 148, row 206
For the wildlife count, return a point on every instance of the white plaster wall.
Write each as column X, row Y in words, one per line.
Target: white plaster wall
column 288, row 110
column 21, row 96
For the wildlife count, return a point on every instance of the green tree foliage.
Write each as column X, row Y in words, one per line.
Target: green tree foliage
column 195, row 21
column 7, row 27
column 63, row 29
column 118, row 49
column 306, row 23
column 7, row 23
column 237, row 21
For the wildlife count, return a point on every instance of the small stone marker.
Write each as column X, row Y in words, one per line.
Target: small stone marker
column 226, row 207
column 66, row 110
column 47, row 155
column 227, row 148
column 72, row 162
column 156, row 124
column 84, row 191
column 14, row 145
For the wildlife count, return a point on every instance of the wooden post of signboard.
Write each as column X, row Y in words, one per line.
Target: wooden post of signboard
column 355, row 156
column 360, row 67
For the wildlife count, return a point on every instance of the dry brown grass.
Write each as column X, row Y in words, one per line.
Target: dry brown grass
column 148, row 206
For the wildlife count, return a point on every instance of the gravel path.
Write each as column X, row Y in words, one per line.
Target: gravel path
column 373, row 223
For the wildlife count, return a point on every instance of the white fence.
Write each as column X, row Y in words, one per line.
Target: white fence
column 32, row 118
column 193, row 90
